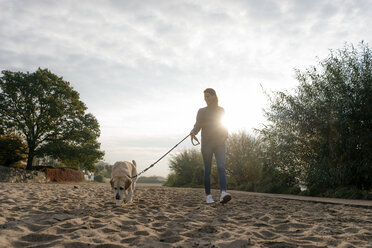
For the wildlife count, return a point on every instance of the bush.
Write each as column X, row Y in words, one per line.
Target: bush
column 247, row 187
column 348, row 193
column 99, row 178
column 171, row 180
column 320, row 132
column 152, row 179
column 186, row 169
column 64, row 175
column 12, row 151
column 243, row 160
column 103, row 168
column 275, row 181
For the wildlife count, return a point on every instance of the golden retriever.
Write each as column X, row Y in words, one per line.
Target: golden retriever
column 121, row 181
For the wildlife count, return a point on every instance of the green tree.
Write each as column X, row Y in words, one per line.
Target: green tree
column 49, row 114
column 12, row 150
column 186, row 169
column 104, row 168
column 322, row 132
column 243, row 159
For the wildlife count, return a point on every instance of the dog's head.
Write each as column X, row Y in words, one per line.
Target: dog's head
column 119, row 186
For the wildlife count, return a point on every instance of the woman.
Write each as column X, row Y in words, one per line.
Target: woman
column 213, row 137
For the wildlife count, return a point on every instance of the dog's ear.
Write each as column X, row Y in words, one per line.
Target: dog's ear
column 112, row 183
column 128, row 182
column 134, row 163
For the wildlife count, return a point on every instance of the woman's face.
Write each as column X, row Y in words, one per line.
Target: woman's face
column 208, row 98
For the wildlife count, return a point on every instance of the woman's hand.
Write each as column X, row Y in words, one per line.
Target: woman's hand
column 193, row 137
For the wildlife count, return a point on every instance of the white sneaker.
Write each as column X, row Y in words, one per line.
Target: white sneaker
column 209, row 199
column 225, row 197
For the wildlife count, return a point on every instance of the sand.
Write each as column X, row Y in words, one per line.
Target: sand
column 85, row 215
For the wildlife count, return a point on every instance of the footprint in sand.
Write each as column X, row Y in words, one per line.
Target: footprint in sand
column 131, row 241
column 161, row 217
column 21, row 244
column 158, row 224
column 77, row 245
column 274, row 244
column 40, row 237
column 225, row 235
column 236, row 244
column 268, row 234
column 141, row 233
column 35, row 227
column 108, row 246
column 109, row 230
column 169, row 237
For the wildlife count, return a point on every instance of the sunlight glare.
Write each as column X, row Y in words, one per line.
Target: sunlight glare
column 241, row 112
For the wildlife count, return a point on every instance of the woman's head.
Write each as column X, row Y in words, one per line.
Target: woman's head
column 210, row 97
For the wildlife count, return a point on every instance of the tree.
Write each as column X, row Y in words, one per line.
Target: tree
column 322, row 132
column 243, row 158
column 186, row 169
column 12, row 150
column 103, row 168
column 48, row 113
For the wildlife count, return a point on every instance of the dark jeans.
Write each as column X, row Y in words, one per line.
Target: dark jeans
column 208, row 149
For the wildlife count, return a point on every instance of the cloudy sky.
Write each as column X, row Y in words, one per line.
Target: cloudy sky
column 141, row 66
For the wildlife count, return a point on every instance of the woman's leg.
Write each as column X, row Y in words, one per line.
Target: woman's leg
column 207, row 159
column 220, row 155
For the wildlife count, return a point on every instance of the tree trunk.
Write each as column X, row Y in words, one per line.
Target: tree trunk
column 30, row 158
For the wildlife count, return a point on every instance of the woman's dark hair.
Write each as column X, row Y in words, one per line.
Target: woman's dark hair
column 212, row 92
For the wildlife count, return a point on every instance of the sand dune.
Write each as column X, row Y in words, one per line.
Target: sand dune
column 85, row 215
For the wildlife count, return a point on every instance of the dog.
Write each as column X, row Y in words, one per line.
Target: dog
column 121, row 181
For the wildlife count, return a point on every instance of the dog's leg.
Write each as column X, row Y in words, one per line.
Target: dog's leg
column 132, row 190
column 130, row 195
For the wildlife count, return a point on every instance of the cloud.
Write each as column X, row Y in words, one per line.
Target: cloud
column 141, row 66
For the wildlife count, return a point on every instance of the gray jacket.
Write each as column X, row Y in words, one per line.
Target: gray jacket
column 209, row 120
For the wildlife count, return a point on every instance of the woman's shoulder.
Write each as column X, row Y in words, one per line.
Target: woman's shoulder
column 220, row 109
column 213, row 109
column 201, row 110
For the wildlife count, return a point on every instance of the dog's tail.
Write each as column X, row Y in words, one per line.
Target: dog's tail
column 134, row 163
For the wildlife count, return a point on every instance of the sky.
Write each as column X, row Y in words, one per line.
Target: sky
column 141, row 66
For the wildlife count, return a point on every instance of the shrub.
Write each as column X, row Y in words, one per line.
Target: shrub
column 320, row 132
column 243, row 161
column 348, row 193
column 186, row 169
column 12, row 151
column 99, row 178
column 64, row 175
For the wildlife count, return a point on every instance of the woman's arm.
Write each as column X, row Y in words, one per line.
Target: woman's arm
column 198, row 124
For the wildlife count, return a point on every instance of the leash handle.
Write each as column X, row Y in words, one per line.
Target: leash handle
column 196, row 139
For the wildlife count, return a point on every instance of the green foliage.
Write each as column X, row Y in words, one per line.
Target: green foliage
column 243, row 159
column 321, row 133
column 99, row 178
column 319, row 136
column 12, row 151
column 244, row 165
column 187, row 169
column 277, row 181
column 171, row 180
column 50, row 116
column 152, row 179
column 103, row 168
column 348, row 192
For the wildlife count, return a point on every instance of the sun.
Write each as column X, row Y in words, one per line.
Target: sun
column 233, row 121
column 242, row 114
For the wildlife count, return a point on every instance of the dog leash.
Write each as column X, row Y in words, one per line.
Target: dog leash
column 192, row 141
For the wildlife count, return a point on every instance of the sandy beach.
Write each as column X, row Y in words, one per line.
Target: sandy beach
column 85, row 215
